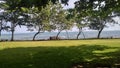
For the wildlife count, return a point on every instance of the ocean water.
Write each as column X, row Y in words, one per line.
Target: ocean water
column 63, row 35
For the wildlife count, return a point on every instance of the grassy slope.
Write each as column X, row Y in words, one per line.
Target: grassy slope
column 60, row 54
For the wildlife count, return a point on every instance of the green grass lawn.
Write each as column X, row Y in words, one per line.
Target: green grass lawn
column 61, row 54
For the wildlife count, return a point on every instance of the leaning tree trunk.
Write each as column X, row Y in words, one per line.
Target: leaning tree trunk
column 36, row 34
column 83, row 34
column 0, row 33
column 0, row 27
column 99, row 33
column 79, row 33
column 58, row 33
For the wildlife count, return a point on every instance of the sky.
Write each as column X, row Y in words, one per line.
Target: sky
column 23, row 29
column 71, row 4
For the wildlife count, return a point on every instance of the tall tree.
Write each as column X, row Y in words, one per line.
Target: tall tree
column 100, row 11
column 99, row 24
column 101, row 15
column 13, row 7
column 0, row 26
column 1, row 22
column 14, row 14
column 60, row 19
column 81, row 13
column 1, row 18
column 31, row 3
column 40, row 19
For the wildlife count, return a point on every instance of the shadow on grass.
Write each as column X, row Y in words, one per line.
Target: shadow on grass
column 85, row 56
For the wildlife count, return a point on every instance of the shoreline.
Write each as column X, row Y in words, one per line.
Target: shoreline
column 5, row 40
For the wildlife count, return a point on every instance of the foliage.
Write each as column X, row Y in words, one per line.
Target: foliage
column 98, row 12
column 3, row 24
column 13, row 15
column 40, row 19
column 101, row 15
column 36, row 13
column 59, row 18
column 30, row 3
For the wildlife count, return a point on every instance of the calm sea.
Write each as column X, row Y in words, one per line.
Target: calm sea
column 64, row 35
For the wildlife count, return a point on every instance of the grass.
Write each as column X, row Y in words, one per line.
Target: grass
column 60, row 54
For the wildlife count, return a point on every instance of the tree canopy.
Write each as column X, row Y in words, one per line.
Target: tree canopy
column 51, row 15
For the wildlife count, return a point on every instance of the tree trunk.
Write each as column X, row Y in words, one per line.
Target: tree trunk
column 58, row 33
column 0, row 32
column 12, row 30
column 0, row 27
column 79, row 33
column 12, row 36
column 83, row 34
column 99, row 33
column 35, row 35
